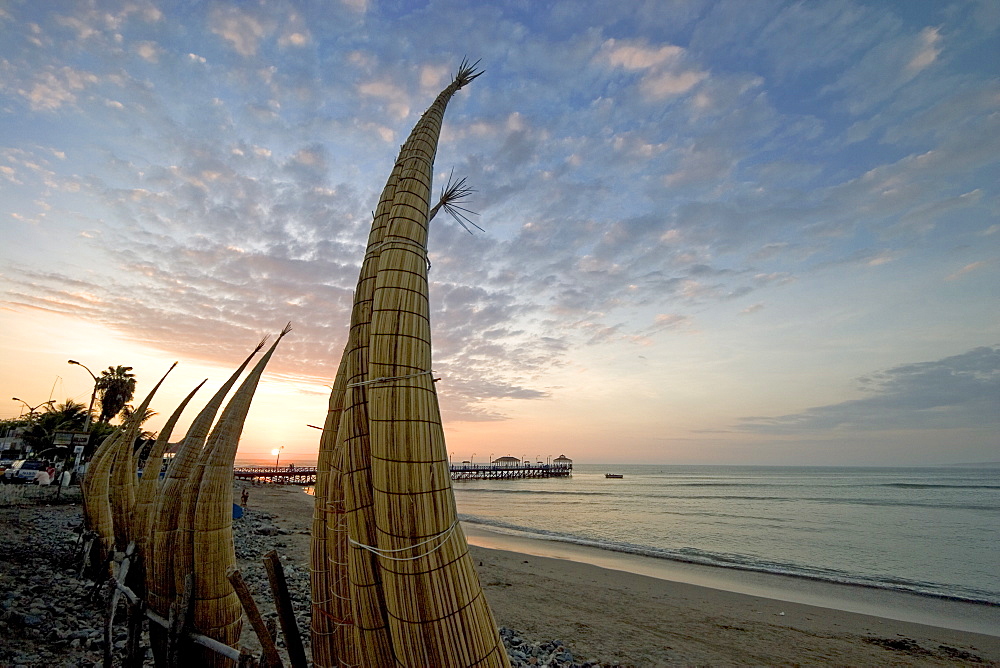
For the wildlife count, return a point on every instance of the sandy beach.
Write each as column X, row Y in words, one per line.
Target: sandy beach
column 626, row 618
column 606, row 609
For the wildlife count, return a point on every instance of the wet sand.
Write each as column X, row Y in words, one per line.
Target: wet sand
column 627, row 610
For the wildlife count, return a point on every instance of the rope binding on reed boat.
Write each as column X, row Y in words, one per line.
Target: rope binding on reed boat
column 388, row 554
column 385, row 379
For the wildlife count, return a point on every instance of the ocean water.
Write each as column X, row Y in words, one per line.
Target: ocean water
column 928, row 531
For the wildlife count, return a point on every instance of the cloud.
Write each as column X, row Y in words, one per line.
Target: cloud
column 149, row 51
column 969, row 268
column 394, row 97
column 639, row 56
column 619, row 175
column 928, row 50
column 953, row 392
column 665, row 74
column 360, row 6
column 886, row 68
column 243, row 31
column 54, row 87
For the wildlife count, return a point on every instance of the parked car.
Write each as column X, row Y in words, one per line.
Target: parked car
column 4, row 465
column 25, row 470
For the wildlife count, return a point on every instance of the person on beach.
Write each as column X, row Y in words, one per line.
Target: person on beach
column 244, row 498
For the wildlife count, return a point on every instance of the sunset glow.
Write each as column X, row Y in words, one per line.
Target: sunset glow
column 714, row 232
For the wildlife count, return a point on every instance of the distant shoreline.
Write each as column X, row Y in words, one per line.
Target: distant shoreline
column 956, row 614
column 617, row 613
column 308, row 462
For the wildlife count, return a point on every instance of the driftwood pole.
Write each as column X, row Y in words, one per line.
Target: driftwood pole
column 286, row 615
column 113, row 603
column 175, row 626
column 256, row 620
column 179, row 614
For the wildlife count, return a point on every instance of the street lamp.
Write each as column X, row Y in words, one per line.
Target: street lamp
column 31, row 411
column 491, row 458
column 93, row 395
column 277, row 455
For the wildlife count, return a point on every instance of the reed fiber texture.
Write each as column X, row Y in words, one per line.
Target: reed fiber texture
column 415, row 597
column 216, row 610
column 160, row 589
column 364, row 636
column 438, row 613
column 149, row 483
column 97, row 504
column 352, row 591
column 330, row 619
column 124, row 473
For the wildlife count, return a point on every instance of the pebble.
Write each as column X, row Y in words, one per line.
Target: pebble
column 52, row 614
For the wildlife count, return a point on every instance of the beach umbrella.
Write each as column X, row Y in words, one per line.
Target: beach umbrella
column 437, row 612
column 160, row 589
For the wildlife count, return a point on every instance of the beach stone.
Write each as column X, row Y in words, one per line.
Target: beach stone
column 267, row 530
column 53, row 613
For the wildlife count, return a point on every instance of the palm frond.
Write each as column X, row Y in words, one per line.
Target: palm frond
column 453, row 193
column 467, row 72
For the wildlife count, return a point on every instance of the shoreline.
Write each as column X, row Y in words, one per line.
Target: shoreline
column 627, row 610
column 930, row 610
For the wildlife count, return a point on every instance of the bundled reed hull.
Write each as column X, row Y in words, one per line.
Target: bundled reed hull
column 124, row 473
column 160, row 576
column 416, row 599
column 216, row 610
column 96, row 492
column 438, row 614
column 347, row 500
column 331, row 629
column 150, row 482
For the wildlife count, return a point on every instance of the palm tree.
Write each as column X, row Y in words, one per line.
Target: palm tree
column 68, row 416
column 128, row 412
column 116, row 387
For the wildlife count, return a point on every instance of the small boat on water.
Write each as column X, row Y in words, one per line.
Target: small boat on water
column 613, row 475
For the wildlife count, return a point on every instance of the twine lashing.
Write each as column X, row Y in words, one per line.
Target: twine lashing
column 387, row 554
column 384, row 379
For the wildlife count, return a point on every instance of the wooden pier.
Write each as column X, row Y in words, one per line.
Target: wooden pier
column 504, row 471
column 281, row 475
column 306, row 475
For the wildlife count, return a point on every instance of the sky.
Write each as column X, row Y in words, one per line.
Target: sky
column 712, row 232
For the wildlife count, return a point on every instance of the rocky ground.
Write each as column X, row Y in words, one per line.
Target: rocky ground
column 51, row 617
